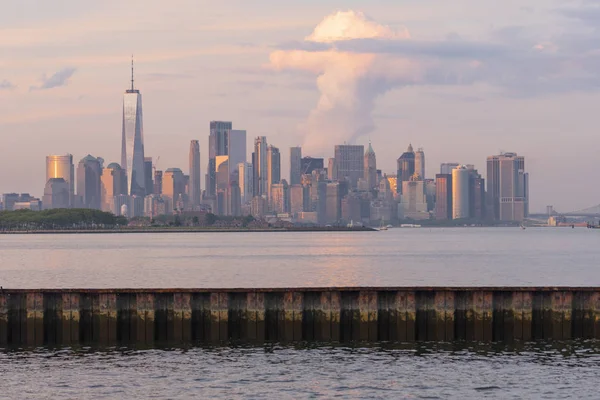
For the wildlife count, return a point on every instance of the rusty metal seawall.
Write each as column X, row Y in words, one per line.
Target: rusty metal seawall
column 205, row 316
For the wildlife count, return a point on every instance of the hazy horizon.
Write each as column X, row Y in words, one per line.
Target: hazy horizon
column 464, row 80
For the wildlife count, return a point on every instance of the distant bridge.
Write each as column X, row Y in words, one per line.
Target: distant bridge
column 590, row 212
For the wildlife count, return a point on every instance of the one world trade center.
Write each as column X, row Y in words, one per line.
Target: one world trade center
column 132, row 150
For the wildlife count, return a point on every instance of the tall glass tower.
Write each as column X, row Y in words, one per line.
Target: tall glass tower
column 132, row 150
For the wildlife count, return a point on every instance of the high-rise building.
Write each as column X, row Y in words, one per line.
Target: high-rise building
column 280, row 197
column 295, row 165
column 88, row 183
column 350, row 163
column 149, row 185
column 370, row 174
column 62, row 167
column 132, row 145
column 477, row 203
column 446, row 168
column 508, row 187
column 420, row 163
column 158, row 182
column 237, row 148
column 173, row 187
column 297, row 195
column 56, row 194
column 245, row 182
column 460, row 193
column 113, row 183
column 443, row 196
column 413, row 203
column 218, row 145
column 333, row 202
column 332, row 171
column 273, row 167
column 260, row 166
column 310, row 164
column 406, row 166
column 194, row 187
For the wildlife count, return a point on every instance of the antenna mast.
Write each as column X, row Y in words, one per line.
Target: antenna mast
column 132, row 72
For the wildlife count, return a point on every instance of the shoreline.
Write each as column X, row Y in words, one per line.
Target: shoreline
column 188, row 230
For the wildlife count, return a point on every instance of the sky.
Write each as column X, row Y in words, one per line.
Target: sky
column 463, row 80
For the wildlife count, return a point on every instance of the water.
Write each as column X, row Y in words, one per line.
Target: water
column 403, row 257
column 559, row 371
column 473, row 256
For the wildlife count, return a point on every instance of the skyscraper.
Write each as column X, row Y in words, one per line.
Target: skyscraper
column 295, row 165
column 218, row 145
column 446, row 168
column 194, row 194
column 149, row 184
column 237, row 148
column 259, row 164
column 56, row 194
column 370, row 168
column 406, row 166
column 245, row 182
column 273, row 167
column 420, row 163
column 88, row 183
column 173, row 187
column 443, row 196
column 62, row 167
column 132, row 147
column 508, row 186
column 460, row 193
column 350, row 163
column 113, row 183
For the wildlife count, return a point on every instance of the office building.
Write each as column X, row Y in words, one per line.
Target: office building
column 88, row 183
column 460, row 193
column 62, row 167
column 173, row 187
column 113, row 182
column 280, row 197
column 245, row 182
column 273, row 167
column 507, row 187
column 132, row 146
column 332, row 171
column 370, row 174
column 333, row 206
column 32, row 204
column 297, row 198
column 194, row 185
column 310, row 164
column 446, row 168
column 9, row 200
column 443, row 196
column 406, row 167
column 413, row 204
column 158, row 182
column 350, row 163
column 57, row 194
column 295, row 165
column 420, row 163
column 148, row 174
column 218, row 145
column 237, row 148
column 260, row 165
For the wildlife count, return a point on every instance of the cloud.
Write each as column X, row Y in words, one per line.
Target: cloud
column 357, row 60
column 60, row 78
column 6, row 85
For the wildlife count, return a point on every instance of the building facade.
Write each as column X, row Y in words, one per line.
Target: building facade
column 89, row 193
column 350, row 163
column 370, row 162
column 295, row 165
column 508, row 187
column 273, row 167
column 443, row 196
column 62, row 167
column 460, row 193
column 132, row 143
column 406, row 167
column 195, row 191
column 259, row 165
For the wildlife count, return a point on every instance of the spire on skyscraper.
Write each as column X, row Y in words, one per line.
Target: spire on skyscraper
column 132, row 73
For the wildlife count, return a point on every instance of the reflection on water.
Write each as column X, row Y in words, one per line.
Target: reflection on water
column 532, row 370
column 397, row 257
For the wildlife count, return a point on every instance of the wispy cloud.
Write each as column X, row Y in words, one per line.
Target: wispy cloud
column 7, row 85
column 60, row 78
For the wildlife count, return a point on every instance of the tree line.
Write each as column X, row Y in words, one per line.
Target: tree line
column 60, row 218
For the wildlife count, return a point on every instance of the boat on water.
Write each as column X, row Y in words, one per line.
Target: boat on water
column 410, row 226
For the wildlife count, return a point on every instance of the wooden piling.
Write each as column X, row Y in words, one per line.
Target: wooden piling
column 105, row 317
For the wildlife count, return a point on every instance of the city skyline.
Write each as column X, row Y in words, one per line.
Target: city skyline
column 67, row 110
